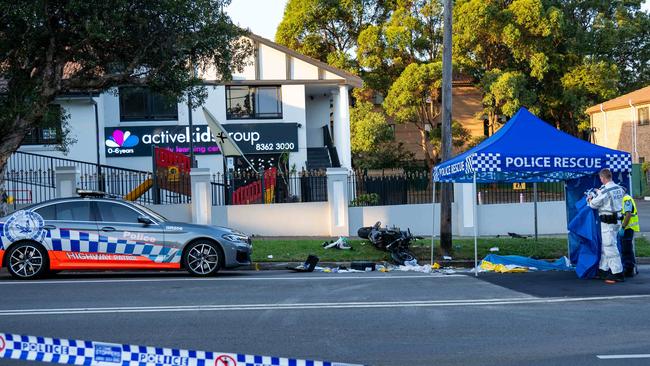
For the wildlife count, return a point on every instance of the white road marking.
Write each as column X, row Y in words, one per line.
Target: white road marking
column 334, row 276
column 621, row 357
column 317, row 306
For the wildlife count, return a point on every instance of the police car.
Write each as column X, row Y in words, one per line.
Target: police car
column 95, row 232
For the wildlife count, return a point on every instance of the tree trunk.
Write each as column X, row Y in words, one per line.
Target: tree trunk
column 425, row 148
column 8, row 145
column 446, row 191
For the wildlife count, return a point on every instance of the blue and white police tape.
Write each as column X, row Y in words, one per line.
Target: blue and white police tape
column 89, row 353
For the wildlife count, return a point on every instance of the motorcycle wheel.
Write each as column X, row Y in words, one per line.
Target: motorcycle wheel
column 402, row 256
column 364, row 232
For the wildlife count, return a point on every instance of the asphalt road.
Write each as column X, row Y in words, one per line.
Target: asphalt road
column 546, row 318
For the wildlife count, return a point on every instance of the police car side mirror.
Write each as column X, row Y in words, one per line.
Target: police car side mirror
column 145, row 220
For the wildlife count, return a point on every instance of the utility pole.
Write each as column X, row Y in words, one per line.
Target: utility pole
column 447, row 188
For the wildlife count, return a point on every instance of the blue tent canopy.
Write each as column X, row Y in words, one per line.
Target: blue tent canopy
column 527, row 149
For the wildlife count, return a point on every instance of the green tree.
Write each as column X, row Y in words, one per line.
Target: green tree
column 615, row 31
column 50, row 48
column 411, row 32
column 539, row 54
column 373, row 145
column 509, row 47
column 327, row 30
column 414, row 98
column 368, row 128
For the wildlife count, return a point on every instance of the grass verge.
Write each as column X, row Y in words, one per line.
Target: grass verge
column 297, row 250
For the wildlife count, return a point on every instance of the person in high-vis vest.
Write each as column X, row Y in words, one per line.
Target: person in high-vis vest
column 609, row 202
column 629, row 225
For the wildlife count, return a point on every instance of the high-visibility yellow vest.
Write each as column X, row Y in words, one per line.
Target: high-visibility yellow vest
column 634, row 219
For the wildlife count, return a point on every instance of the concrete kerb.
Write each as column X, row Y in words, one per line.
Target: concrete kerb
column 266, row 266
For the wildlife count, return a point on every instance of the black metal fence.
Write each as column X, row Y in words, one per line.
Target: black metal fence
column 496, row 193
column 392, row 188
column 139, row 186
column 400, row 188
column 252, row 188
column 30, row 178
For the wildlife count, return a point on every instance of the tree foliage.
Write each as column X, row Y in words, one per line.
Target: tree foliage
column 414, row 99
column 372, row 139
column 554, row 57
column 327, row 30
column 49, row 48
column 411, row 32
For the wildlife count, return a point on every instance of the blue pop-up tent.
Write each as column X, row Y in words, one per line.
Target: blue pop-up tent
column 527, row 149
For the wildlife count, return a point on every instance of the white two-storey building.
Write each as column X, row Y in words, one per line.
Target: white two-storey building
column 283, row 102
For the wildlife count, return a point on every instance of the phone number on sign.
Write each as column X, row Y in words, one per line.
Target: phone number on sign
column 275, row 146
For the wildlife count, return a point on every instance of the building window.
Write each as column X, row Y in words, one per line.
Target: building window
column 141, row 104
column 49, row 132
column 644, row 116
column 247, row 102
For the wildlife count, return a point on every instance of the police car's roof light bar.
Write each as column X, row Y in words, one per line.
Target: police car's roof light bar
column 91, row 193
column 85, row 193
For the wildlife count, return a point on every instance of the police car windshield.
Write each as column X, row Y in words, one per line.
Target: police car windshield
column 151, row 213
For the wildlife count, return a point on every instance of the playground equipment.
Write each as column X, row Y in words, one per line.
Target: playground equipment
column 171, row 173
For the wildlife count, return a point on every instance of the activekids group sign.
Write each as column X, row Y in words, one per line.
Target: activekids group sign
column 252, row 138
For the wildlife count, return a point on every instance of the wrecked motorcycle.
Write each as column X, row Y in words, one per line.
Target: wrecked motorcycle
column 393, row 240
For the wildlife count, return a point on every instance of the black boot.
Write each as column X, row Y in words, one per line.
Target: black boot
column 613, row 278
column 619, row 277
column 603, row 275
column 630, row 272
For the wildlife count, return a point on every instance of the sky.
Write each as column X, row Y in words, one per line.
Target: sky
column 263, row 16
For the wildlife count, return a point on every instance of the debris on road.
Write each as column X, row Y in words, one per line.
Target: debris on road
column 341, row 243
column 308, row 266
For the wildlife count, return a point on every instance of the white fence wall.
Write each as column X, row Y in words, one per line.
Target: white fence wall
column 312, row 219
column 519, row 218
column 284, row 219
column 176, row 212
column 416, row 217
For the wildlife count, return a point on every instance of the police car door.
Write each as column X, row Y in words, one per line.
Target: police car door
column 134, row 244
column 70, row 229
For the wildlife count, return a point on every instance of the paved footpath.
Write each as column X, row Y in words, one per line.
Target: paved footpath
column 548, row 318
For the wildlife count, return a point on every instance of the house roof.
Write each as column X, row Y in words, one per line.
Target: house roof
column 349, row 78
column 636, row 97
column 71, row 67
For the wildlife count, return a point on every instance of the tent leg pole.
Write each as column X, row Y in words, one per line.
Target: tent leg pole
column 568, row 236
column 535, row 204
column 433, row 220
column 475, row 209
column 629, row 178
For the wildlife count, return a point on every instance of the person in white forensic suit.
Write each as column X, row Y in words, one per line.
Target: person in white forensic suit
column 609, row 202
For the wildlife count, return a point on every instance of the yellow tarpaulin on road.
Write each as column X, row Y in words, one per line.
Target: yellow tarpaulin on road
column 502, row 268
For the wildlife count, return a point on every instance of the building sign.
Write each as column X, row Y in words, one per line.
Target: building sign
column 519, row 186
column 252, row 138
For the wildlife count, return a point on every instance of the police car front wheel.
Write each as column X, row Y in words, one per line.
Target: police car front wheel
column 202, row 258
column 27, row 261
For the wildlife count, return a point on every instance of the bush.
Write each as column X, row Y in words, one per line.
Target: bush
column 366, row 199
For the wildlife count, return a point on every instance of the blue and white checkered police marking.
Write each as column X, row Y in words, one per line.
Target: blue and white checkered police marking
column 619, row 162
column 88, row 353
column 486, row 162
column 29, row 225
